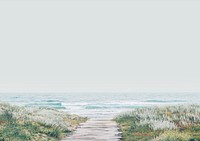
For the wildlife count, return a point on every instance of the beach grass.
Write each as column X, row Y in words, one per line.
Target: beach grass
column 164, row 123
column 35, row 124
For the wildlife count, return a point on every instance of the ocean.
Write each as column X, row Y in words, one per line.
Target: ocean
column 98, row 105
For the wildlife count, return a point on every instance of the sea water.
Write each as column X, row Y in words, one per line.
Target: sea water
column 98, row 105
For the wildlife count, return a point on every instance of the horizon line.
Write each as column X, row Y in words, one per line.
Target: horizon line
column 138, row 91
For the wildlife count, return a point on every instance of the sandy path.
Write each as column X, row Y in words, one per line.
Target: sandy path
column 96, row 130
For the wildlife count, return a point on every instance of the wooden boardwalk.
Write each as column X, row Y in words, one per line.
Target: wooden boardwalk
column 96, row 130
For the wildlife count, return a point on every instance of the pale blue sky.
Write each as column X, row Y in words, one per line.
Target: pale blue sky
column 99, row 45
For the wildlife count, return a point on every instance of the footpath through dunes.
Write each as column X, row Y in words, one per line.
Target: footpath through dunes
column 96, row 130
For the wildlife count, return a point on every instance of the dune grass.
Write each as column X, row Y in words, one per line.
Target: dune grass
column 170, row 123
column 27, row 124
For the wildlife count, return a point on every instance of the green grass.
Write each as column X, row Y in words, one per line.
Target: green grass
column 174, row 136
column 18, row 128
column 14, row 130
column 172, row 123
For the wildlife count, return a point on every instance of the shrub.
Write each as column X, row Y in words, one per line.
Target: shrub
column 151, row 122
column 55, row 132
column 174, row 136
column 26, row 124
column 7, row 116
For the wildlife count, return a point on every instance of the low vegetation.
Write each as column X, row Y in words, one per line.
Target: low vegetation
column 35, row 124
column 170, row 123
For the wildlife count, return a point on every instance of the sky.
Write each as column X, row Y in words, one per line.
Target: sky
column 99, row 45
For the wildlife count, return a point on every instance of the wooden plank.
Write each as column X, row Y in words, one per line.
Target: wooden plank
column 96, row 130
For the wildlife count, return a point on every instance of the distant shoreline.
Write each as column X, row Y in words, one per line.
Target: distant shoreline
column 92, row 105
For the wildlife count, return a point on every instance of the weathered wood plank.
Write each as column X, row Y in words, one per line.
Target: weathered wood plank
column 96, row 130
